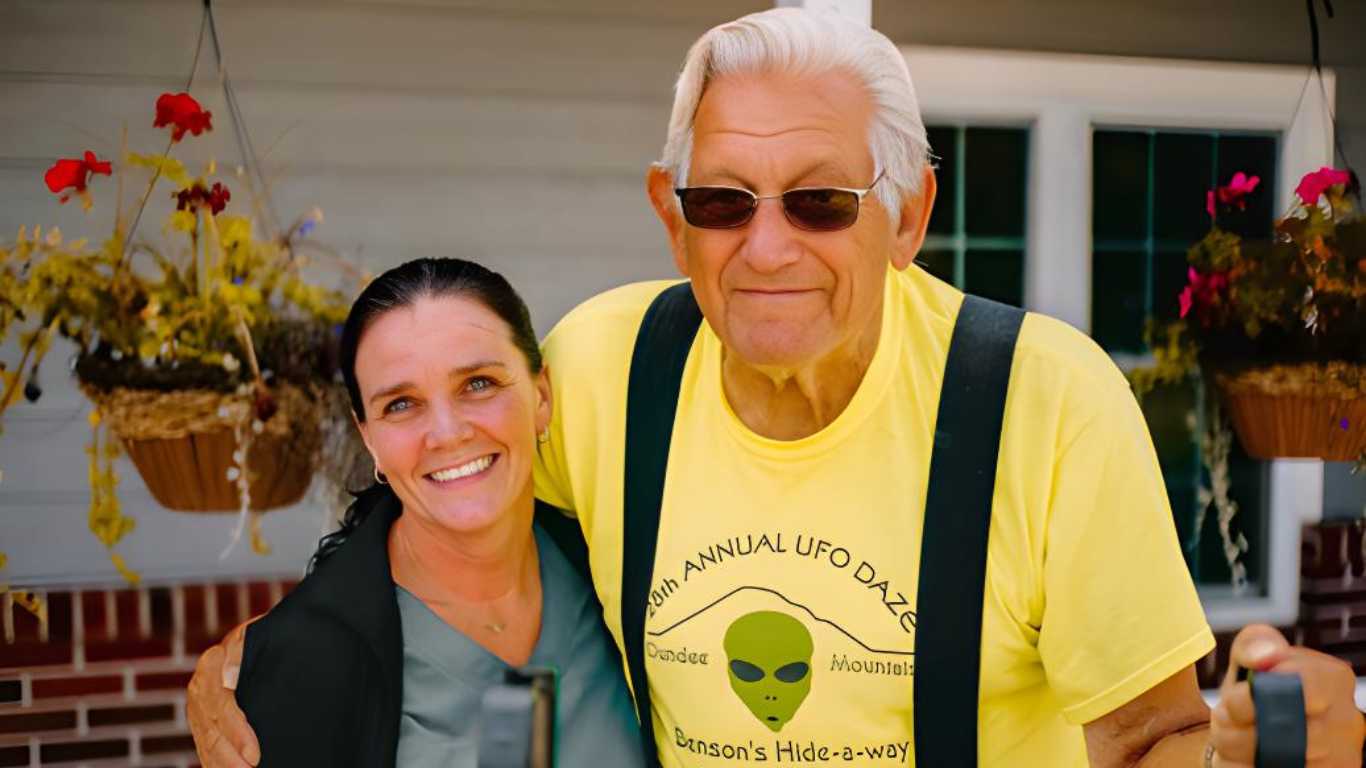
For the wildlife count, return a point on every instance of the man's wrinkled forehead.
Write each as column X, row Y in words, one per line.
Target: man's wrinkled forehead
column 783, row 125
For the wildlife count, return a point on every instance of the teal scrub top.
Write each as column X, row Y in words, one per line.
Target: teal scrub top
column 445, row 675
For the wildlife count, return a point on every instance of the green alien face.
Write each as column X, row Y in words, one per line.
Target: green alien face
column 768, row 658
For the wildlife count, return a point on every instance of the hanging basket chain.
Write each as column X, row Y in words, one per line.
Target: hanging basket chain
column 255, row 178
column 166, row 153
column 1316, row 60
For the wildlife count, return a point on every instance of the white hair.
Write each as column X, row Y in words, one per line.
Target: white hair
column 804, row 42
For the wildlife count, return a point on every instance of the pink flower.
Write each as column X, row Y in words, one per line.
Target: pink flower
column 1242, row 184
column 1232, row 194
column 1313, row 185
column 1201, row 290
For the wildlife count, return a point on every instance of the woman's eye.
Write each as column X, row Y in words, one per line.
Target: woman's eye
column 398, row 406
column 481, row 384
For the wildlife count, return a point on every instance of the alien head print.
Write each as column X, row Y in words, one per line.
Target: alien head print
column 768, row 659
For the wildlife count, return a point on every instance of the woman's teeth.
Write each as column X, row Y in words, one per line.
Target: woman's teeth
column 464, row 470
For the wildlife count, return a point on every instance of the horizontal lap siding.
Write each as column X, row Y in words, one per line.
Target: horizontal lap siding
column 513, row 133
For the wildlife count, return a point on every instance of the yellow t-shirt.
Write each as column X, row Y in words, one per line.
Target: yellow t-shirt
column 781, row 622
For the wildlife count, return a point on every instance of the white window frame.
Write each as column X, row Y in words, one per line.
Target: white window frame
column 1063, row 98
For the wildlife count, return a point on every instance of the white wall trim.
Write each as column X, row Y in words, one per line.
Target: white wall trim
column 1063, row 97
column 859, row 10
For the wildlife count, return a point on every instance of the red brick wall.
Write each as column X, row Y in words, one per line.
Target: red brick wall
column 1333, row 591
column 102, row 682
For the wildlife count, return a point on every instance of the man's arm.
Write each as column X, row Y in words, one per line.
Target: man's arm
column 222, row 737
column 1166, row 725
column 1170, row 726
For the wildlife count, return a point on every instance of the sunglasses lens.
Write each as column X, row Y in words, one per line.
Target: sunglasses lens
column 716, row 207
column 821, row 209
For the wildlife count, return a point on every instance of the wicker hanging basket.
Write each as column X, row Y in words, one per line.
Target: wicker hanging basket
column 183, row 444
column 1311, row 410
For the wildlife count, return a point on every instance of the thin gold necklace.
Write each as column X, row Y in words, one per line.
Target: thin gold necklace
column 495, row 627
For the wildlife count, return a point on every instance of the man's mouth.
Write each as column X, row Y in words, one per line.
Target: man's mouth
column 774, row 292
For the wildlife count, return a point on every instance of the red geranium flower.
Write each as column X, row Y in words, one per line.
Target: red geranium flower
column 1232, row 194
column 197, row 196
column 74, row 174
column 1313, row 185
column 182, row 113
column 1202, row 290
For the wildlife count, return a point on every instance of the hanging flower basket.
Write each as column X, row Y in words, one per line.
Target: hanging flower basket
column 1278, row 325
column 1298, row 411
column 209, row 357
column 191, row 446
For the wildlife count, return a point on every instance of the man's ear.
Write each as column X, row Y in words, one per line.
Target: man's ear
column 659, row 183
column 915, row 221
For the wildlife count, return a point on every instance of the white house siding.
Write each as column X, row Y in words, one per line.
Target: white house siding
column 513, row 132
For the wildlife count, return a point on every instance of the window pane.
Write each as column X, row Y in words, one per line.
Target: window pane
column 1119, row 185
column 1169, row 410
column 1182, row 176
column 942, row 145
column 1144, row 221
column 938, row 263
column 1118, row 279
column 997, row 162
column 1255, row 156
column 1248, row 490
column 1169, row 279
column 997, row 275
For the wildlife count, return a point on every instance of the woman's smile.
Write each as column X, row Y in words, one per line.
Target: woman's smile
column 455, row 476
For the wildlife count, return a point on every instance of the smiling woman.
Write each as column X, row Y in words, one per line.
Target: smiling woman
column 438, row 582
column 451, row 416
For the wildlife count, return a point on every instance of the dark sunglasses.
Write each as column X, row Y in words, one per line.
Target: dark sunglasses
column 819, row 209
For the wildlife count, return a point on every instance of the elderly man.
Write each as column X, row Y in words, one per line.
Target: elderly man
column 801, row 586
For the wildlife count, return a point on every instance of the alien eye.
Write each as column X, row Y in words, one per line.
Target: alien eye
column 793, row 672
column 746, row 671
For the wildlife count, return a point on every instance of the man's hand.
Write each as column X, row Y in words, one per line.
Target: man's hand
column 222, row 737
column 1334, row 726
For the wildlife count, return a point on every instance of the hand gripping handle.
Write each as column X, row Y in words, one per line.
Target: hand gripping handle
column 1281, row 729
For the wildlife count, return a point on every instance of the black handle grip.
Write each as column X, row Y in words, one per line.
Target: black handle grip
column 1281, row 731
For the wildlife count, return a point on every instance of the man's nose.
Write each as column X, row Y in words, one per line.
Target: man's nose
column 770, row 239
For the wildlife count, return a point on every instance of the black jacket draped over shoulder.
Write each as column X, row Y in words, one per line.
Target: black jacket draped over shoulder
column 322, row 673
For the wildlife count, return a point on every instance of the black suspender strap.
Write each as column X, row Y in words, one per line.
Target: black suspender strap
column 662, row 345
column 565, row 532
column 953, row 548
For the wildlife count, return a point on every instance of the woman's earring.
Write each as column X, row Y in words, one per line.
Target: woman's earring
column 544, row 436
column 380, row 478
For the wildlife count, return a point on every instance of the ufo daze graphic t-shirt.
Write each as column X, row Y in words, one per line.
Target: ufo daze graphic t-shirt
column 781, row 620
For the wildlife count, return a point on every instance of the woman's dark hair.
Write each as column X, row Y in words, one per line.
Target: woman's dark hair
column 402, row 287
